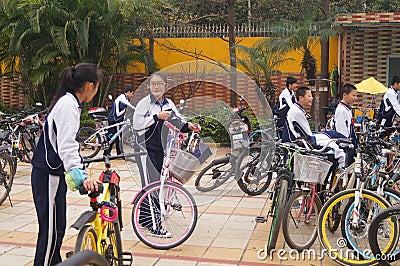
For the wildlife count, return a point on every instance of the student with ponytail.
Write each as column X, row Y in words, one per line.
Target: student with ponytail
column 58, row 153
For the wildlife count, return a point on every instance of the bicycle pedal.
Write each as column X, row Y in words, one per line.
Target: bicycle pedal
column 69, row 254
column 260, row 219
column 269, row 191
column 127, row 258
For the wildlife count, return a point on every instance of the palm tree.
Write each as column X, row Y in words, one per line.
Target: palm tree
column 45, row 36
column 303, row 36
column 261, row 61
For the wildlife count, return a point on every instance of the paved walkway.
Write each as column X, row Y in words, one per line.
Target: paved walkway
column 226, row 233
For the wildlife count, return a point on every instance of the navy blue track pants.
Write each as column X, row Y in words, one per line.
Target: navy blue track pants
column 49, row 195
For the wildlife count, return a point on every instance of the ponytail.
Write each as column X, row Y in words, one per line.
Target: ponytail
column 74, row 78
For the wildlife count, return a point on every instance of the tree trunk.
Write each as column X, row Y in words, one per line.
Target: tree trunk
column 324, row 65
column 232, row 52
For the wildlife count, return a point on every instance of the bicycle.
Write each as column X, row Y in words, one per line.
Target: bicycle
column 164, row 213
column 356, row 207
column 92, row 141
column 100, row 228
column 245, row 149
column 7, row 173
column 18, row 139
column 288, row 192
column 383, row 235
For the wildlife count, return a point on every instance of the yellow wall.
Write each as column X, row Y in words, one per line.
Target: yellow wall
column 217, row 49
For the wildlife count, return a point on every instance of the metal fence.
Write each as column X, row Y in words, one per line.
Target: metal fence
column 262, row 29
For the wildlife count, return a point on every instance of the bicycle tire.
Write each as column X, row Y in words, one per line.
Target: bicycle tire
column 390, row 195
column 114, row 249
column 378, row 227
column 252, row 173
column 334, row 219
column 28, row 148
column 334, row 244
column 6, row 175
column 301, row 234
column 84, row 136
column 86, row 239
column 278, row 214
column 214, row 174
column 180, row 219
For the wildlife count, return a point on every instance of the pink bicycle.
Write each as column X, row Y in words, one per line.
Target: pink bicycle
column 170, row 209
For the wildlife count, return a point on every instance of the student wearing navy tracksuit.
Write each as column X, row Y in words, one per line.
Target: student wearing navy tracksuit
column 390, row 104
column 117, row 115
column 58, row 152
column 148, row 120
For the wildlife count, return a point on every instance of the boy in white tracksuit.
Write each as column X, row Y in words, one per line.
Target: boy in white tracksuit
column 297, row 126
column 344, row 121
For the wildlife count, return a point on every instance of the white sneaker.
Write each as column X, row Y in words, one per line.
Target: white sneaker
column 160, row 233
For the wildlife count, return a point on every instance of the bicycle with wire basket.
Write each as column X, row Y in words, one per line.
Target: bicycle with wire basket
column 100, row 228
column 291, row 192
column 164, row 213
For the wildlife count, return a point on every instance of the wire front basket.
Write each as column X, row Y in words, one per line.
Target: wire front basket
column 183, row 166
column 310, row 168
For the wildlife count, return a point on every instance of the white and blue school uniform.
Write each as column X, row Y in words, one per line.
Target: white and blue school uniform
column 297, row 126
column 57, row 152
column 116, row 116
column 389, row 107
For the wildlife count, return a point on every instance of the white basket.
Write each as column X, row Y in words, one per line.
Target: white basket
column 183, row 166
column 310, row 168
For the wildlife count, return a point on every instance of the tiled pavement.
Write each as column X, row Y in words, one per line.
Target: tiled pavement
column 226, row 233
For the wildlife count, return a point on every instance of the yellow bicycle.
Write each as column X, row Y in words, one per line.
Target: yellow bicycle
column 100, row 227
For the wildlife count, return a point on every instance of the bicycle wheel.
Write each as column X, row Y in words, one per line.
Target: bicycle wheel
column 90, row 144
column 6, row 175
column 86, row 240
column 214, row 174
column 384, row 228
column 28, row 148
column 113, row 252
column 334, row 243
column 355, row 238
column 252, row 172
column 278, row 213
column 164, row 230
column 300, row 232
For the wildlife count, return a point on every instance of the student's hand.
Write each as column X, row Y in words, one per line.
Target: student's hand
column 90, row 184
column 194, row 127
column 164, row 115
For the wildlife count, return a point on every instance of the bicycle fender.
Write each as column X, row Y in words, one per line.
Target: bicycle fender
column 86, row 217
column 224, row 159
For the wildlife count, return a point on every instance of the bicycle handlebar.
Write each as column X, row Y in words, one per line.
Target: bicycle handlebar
column 106, row 158
column 83, row 191
column 315, row 151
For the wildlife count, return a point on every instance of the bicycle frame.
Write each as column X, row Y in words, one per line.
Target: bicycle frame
column 102, row 132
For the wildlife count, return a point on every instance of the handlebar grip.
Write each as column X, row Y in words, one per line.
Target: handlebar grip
column 83, row 191
column 386, row 144
column 393, row 179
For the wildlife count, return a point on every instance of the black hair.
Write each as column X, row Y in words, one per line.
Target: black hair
column 74, row 78
column 347, row 88
column 395, row 79
column 301, row 91
column 128, row 88
column 290, row 81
